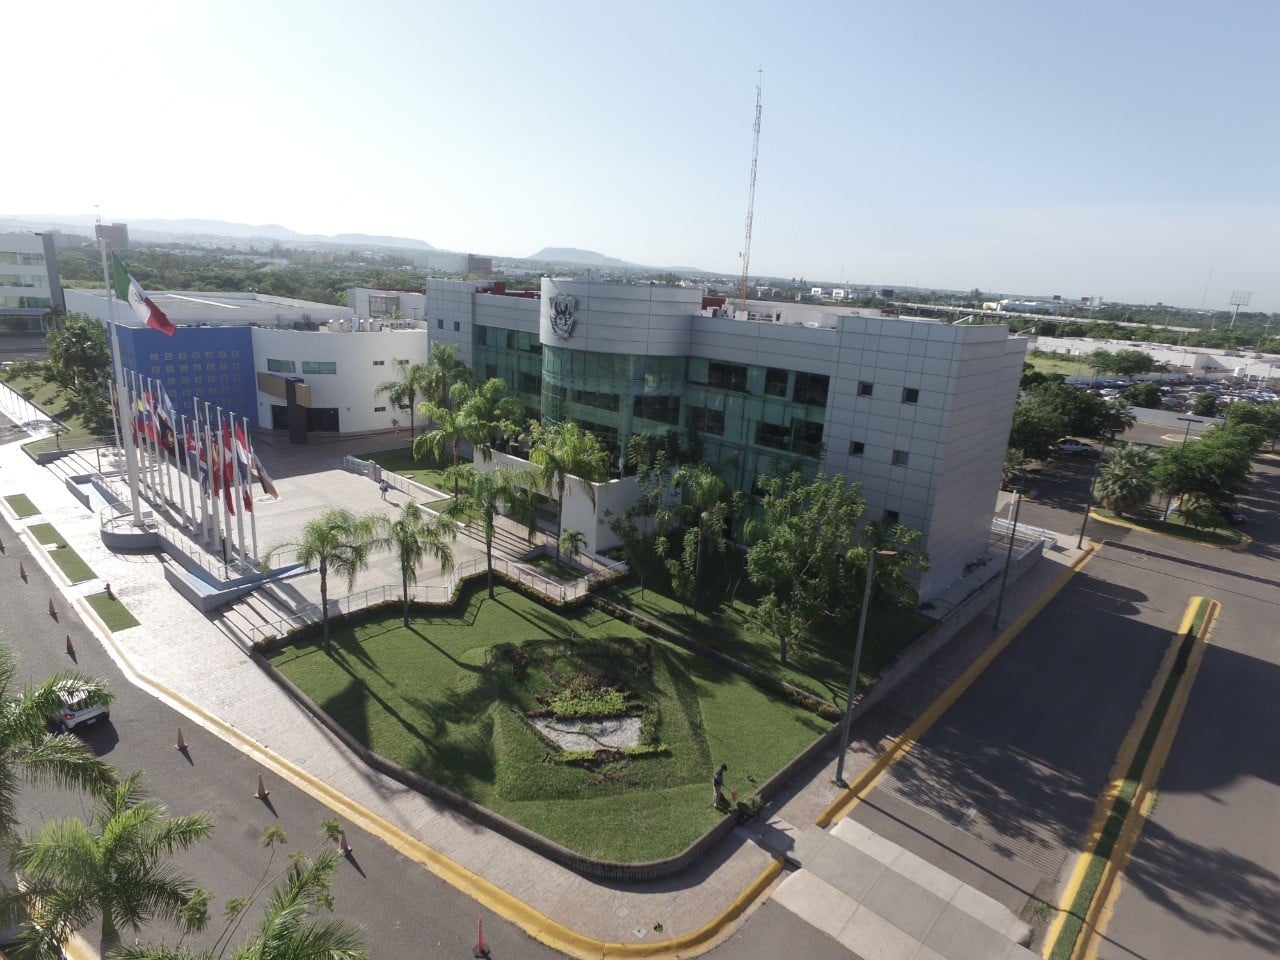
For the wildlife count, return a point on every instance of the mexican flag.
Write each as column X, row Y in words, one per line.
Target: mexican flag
column 127, row 288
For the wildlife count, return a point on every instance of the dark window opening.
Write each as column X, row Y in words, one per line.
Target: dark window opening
column 727, row 376
column 864, row 388
column 857, row 448
column 660, row 409
column 811, row 389
column 708, row 421
column 773, row 435
column 910, row 395
column 775, row 382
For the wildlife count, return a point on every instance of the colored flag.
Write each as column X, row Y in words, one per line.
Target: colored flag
column 166, row 418
column 127, row 288
column 268, row 485
column 196, row 462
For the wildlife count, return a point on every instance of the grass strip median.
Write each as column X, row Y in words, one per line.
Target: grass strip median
column 68, row 561
column 1124, row 818
column 112, row 612
column 22, row 505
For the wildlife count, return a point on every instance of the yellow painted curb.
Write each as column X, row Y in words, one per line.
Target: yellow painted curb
column 1143, row 795
column 866, row 781
column 1245, row 539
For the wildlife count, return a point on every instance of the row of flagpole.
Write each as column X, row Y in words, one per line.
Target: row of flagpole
column 212, row 452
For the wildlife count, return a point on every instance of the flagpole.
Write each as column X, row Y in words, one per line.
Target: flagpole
column 161, row 449
column 253, row 516
column 140, row 404
column 234, row 461
column 115, row 414
column 130, row 458
column 180, row 456
column 220, row 527
column 185, row 477
column 135, row 434
column 198, row 442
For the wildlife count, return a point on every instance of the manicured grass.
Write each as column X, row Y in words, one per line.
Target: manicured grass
column 1073, row 925
column 22, row 505
column 46, row 534
column 67, row 559
column 820, row 665
column 443, row 699
column 113, row 613
column 425, row 471
column 61, row 404
column 1051, row 365
column 555, row 569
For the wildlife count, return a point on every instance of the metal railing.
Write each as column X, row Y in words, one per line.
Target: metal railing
column 440, row 593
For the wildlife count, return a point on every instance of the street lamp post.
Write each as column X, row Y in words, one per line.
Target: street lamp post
column 1181, row 452
column 1008, row 559
column 1088, row 496
column 857, row 658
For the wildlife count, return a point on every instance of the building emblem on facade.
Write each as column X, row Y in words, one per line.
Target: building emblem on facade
column 562, row 307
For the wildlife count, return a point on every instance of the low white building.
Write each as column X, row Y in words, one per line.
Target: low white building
column 29, row 282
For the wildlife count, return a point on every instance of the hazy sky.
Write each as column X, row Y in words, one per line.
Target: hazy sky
column 1122, row 148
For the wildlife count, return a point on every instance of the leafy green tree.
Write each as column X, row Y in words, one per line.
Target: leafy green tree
column 1131, row 362
column 705, row 508
column 1146, row 395
column 562, row 451
column 1126, row 478
column 799, row 556
column 650, row 462
column 1209, row 474
column 1051, row 411
column 117, row 867
column 488, row 493
column 414, row 538
column 490, row 415
column 28, row 752
column 1205, row 405
column 338, row 542
column 1116, row 419
column 77, row 352
column 572, row 542
column 403, row 391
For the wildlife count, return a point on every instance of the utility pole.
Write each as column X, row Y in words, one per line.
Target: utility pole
column 751, row 198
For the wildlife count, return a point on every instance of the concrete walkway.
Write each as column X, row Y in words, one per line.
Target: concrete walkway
column 186, row 660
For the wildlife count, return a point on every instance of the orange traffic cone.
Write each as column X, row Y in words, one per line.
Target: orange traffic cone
column 52, row 612
column 181, row 745
column 71, row 650
column 263, row 792
column 481, row 950
column 344, row 848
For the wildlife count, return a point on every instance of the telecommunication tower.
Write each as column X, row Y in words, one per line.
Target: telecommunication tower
column 751, row 199
column 1239, row 298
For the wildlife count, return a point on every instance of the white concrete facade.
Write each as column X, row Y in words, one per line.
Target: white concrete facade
column 29, row 282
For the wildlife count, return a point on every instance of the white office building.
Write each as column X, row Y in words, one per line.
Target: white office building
column 29, row 283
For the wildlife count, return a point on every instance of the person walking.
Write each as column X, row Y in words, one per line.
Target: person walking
column 717, row 787
column 383, row 487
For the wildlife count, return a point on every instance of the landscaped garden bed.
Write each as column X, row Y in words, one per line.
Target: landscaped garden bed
column 456, row 698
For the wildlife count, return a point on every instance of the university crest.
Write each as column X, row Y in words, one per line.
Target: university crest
column 562, row 307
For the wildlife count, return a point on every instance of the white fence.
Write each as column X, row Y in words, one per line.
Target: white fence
column 442, row 593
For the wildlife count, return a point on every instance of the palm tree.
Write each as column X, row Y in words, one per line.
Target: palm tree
column 444, row 372
column 491, row 410
column 705, row 506
column 450, row 426
column 337, row 541
column 117, row 866
column 562, row 451
column 1126, row 478
column 487, row 493
column 28, row 752
column 571, row 542
column 414, row 538
column 404, row 391
column 288, row 929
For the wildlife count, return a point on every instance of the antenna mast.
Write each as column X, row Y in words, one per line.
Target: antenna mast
column 751, row 199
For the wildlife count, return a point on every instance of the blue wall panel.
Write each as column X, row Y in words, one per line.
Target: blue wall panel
column 212, row 364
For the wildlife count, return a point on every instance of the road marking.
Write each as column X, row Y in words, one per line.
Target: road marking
column 1100, row 907
column 870, row 777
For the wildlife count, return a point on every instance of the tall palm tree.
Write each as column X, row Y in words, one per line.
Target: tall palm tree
column 1126, row 478
column 705, row 506
column 487, row 493
column 445, row 371
column 414, row 538
column 449, row 427
column 562, row 451
column 28, row 752
column 117, row 866
column 491, row 410
column 338, row 542
column 404, row 390
column 288, row 929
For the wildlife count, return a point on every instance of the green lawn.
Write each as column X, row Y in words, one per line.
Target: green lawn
column 113, row 613
column 1050, row 365
column 400, row 460
column 820, row 666
column 68, row 560
column 58, row 402
column 447, row 699
column 46, row 535
column 555, row 569
column 22, row 505
column 1175, row 526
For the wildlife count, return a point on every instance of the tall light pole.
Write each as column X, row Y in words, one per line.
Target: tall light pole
column 1088, row 497
column 1181, row 453
column 857, row 659
column 1008, row 559
column 1239, row 298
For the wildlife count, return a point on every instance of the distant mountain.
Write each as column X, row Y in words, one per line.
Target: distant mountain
column 588, row 258
column 139, row 228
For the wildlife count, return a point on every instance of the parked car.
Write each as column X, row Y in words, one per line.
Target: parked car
column 78, row 710
column 1076, row 448
column 1233, row 517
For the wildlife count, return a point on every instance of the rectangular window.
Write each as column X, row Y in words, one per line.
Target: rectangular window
column 530, row 383
column 811, row 389
column 727, row 376
column 457, row 326
column 891, row 516
column 319, row 366
column 775, row 382
column 599, row 399
column 857, row 448
column 773, row 435
column 659, row 409
column 379, row 363
column 383, row 306
column 900, row 458
column 708, row 421
column 910, row 395
column 439, row 323
column 807, row 437
column 281, row 366
column 379, row 409
column 864, row 388
column 490, row 371
column 482, row 335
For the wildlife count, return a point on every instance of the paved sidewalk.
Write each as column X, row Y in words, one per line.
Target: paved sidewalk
column 186, row 660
